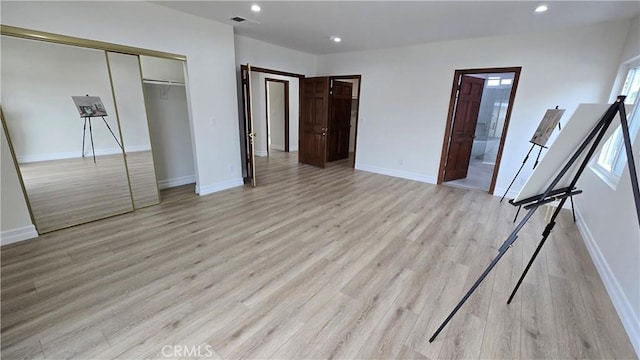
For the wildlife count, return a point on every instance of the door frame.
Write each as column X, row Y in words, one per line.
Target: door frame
column 286, row 111
column 265, row 71
column 248, row 125
column 450, row 116
column 355, row 140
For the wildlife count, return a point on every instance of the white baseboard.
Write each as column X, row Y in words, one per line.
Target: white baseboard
column 262, row 153
column 210, row 189
column 293, row 148
column 77, row 154
column 397, row 173
column 620, row 302
column 277, row 147
column 18, row 234
column 173, row 182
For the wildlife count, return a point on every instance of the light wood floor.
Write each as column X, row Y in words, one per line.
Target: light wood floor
column 331, row 263
column 68, row 192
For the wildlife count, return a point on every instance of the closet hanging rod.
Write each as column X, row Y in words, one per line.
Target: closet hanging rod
column 163, row 82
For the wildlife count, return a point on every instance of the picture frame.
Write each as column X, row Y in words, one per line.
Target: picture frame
column 89, row 106
column 547, row 125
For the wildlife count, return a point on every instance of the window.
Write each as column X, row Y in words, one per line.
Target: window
column 613, row 157
column 497, row 81
column 493, row 81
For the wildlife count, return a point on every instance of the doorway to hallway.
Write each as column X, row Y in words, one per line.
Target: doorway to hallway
column 477, row 124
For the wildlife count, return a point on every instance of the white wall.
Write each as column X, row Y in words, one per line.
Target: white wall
column 265, row 55
column 631, row 53
column 169, row 126
column 208, row 45
column 607, row 220
column 41, row 118
column 405, row 94
column 276, row 110
column 154, row 68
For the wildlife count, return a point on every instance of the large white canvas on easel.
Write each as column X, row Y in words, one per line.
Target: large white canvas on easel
column 584, row 119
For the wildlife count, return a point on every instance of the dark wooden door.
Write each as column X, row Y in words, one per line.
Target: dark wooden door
column 250, row 159
column 313, row 121
column 464, row 128
column 339, row 123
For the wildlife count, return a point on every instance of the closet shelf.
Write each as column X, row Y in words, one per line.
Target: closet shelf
column 163, row 82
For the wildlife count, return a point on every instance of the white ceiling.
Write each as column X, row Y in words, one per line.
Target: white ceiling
column 308, row 25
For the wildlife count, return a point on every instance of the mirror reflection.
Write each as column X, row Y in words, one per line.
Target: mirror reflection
column 64, row 185
column 127, row 87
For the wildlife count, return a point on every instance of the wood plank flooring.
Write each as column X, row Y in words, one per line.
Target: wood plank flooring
column 314, row 263
column 68, row 192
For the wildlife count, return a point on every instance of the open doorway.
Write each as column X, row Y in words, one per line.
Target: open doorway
column 167, row 109
column 258, row 132
column 311, row 126
column 277, row 114
column 329, row 120
column 339, row 148
column 477, row 124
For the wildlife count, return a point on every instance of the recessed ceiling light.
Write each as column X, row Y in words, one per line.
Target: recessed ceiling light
column 542, row 8
column 255, row 8
column 336, row 39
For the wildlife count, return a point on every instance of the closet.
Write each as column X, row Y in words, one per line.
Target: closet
column 166, row 100
column 75, row 116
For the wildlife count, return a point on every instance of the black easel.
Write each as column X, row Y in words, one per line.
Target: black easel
column 552, row 194
column 533, row 145
column 84, row 133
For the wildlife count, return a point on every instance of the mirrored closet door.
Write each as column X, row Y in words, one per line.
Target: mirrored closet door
column 128, row 91
column 80, row 159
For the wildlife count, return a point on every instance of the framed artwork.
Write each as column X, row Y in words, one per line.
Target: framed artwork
column 89, row 106
column 546, row 126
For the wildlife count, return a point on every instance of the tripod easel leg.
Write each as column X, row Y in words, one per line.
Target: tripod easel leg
column 503, row 249
column 537, row 158
column 573, row 209
column 628, row 146
column 84, row 133
column 517, row 213
column 545, row 235
column 92, row 147
column 518, row 173
column 112, row 134
column 466, row 296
